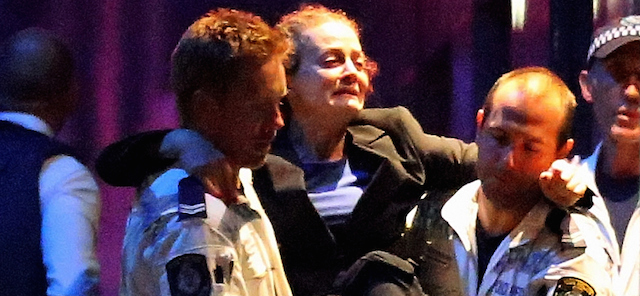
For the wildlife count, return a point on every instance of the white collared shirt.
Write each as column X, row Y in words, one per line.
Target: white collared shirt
column 625, row 257
column 530, row 258
column 70, row 207
column 241, row 234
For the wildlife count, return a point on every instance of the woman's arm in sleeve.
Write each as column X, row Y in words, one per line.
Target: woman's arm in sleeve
column 129, row 161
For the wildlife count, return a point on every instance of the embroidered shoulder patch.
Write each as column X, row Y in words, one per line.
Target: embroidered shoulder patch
column 570, row 286
column 188, row 275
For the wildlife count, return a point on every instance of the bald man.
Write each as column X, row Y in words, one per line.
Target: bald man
column 499, row 235
column 50, row 201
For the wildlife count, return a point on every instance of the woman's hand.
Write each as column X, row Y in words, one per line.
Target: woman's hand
column 564, row 183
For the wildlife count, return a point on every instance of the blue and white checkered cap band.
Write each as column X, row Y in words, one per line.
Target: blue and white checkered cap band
column 613, row 37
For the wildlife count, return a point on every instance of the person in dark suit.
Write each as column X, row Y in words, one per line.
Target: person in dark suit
column 50, row 201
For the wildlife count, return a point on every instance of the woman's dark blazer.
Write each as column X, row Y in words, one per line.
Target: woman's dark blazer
column 403, row 163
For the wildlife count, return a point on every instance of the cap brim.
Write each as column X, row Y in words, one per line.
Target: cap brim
column 612, row 45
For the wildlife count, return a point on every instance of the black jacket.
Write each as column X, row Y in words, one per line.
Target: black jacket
column 403, row 163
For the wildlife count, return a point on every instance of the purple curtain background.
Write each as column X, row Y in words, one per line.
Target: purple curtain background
column 424, row 48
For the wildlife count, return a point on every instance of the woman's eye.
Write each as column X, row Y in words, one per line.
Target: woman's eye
column 332, row 60
column 329, row 63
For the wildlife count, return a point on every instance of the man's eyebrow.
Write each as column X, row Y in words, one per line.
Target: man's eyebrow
column 536, row 140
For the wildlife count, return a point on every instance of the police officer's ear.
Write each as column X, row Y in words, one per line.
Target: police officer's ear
column 479, row 119
column 585, row 86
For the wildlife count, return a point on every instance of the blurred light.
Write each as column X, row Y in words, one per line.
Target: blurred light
column 596, row 9
column 518, row 14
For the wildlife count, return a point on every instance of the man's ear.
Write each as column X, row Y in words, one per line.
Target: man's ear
column 563, row 151
column 479, row 118
column 585, row 86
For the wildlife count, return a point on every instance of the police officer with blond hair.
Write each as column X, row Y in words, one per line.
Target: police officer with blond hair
column 183, row 236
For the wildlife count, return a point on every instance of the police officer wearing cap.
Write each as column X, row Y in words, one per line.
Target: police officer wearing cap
column 611, row 83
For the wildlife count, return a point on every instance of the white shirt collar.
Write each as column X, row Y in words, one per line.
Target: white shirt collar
column 461, row 212
column 28, row 121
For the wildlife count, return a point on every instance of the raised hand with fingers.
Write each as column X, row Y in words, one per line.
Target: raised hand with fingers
column 564, row 183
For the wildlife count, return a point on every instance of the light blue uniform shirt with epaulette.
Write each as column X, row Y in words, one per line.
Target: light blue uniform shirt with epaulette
column 183, row 245
column 532, row 258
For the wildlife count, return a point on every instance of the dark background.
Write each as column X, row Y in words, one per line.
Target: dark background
column 437, row 57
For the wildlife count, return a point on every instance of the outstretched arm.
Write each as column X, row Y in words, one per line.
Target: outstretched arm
column 129, row 161
column 70, row 208
column 447, row 163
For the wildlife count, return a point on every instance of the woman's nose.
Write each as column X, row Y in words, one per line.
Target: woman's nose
column 278, row 120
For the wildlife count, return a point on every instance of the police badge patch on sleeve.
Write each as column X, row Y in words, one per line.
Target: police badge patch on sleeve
column 188, row 275
column 570, row 286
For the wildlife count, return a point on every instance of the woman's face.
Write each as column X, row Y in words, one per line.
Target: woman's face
column 331, row 76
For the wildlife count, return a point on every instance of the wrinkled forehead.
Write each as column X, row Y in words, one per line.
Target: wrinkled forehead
column 531, row 102
column 332, row 34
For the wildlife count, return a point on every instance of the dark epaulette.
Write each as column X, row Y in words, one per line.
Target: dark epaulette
column 569, row 233
column 191, row 203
